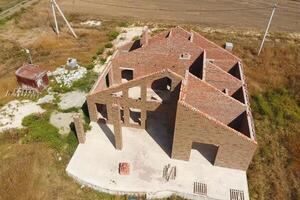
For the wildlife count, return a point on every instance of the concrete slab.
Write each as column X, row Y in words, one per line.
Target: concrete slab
column 72, row 99
column 62, row 121
column 95, row 164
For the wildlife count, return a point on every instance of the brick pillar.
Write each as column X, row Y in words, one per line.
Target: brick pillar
column 92, row 110
column 126, row 109
column 116, row 120
column 109, row 114
column 79, row 128
column 143, row 118
column 126, row 115
column 144, row 92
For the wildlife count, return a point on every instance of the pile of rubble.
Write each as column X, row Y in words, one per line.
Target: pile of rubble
column 66, row 77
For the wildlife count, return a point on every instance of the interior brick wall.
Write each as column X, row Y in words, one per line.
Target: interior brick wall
column 212, row 101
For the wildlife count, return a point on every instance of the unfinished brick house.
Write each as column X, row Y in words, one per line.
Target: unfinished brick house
column 182, row 81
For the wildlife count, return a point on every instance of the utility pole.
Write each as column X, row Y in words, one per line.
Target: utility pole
column 55, row 5
column 29, row 54
column 267, row 29
column 54, row 15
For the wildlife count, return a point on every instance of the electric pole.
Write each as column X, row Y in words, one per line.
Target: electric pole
column 267, row 29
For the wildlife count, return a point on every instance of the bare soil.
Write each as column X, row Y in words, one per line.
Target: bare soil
column 221, row 13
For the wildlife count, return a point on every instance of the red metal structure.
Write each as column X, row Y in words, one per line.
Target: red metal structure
column 32, row 77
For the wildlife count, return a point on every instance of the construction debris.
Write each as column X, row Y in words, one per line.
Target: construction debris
column 67, row 77
column 20, row 92
column 91, row 23
column 169, row 172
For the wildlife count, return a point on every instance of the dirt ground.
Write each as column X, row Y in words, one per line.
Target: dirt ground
column 221, row 13
column 28, row 174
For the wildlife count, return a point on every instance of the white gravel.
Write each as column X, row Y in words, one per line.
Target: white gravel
column 12, row 113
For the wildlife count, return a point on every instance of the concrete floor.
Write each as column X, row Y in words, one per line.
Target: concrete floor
column 95, row 164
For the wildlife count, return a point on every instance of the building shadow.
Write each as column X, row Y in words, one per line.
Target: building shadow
column 208, row 151
column 73, row 129
column 160, row 134
column 108, row 132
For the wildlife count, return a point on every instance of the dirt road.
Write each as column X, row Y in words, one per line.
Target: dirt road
column 14, row 7
column 221, row 13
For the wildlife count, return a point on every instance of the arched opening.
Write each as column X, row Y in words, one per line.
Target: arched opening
column 126, row 75
column 160, row 89
column 207, row 151
column 162, row 84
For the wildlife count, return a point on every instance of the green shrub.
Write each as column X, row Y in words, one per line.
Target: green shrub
column 135, row 38
column 108, row 45
column 112, row 35
column 102, row 60
column 123, row 24
column 100, row 51
column 89, row 66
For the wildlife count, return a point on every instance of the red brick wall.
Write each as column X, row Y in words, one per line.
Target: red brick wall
column 221, row 79
column 212, row 101
column 235, row 150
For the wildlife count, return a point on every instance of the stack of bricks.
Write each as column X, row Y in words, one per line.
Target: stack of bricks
column 124, row 168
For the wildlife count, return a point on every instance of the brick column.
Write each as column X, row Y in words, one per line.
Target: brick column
column 126, row 109
column 143, row 118
column 116, row 120
column 144, row 92
column 92, row 110
column 79, row 128
column 109, row 114
column 126, row 115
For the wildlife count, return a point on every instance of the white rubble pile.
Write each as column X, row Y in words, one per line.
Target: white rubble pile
column 91, row 23
column 67, row 77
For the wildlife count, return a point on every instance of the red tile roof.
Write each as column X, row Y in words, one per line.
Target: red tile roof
column 30, row 71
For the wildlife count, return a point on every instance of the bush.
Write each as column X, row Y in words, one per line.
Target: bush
column 112, row 35
column 135, row 38
column 100, row 51
column 123, row 24
column 102, row 60
column 108, row 45
column 89, row 66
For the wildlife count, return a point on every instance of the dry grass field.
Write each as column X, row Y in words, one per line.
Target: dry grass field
column 222, row 13
column 273, row 82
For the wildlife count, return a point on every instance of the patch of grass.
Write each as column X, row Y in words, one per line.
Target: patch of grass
column 123, row 24
column 40, row 130
column 112, row 35
column 86, row 83
column 278, row 106
column 108, row 45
